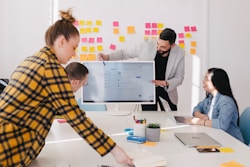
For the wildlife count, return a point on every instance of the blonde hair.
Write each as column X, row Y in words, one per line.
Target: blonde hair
column 64, row 27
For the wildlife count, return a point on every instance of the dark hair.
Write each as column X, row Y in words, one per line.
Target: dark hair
column 63, row 27
column 221, row 82
column 168, row 35
column 76, row 70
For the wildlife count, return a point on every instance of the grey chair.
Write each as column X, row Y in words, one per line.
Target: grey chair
column 245, row 125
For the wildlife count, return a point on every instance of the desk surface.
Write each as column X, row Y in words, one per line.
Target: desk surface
column 64, row 147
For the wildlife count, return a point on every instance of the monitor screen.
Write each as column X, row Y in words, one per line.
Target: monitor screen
column 120, row 82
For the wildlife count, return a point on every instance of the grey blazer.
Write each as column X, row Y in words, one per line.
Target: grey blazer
column 146, row 51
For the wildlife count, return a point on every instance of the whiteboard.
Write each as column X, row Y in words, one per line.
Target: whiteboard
column 187, row 17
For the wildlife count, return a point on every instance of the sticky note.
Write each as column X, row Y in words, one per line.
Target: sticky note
column 116, row 31
column 99, row 39
column 193, row 28
column 154, row 32
column 182, row 45
column 84, row 49
column 159, row 31
column 96, row 29
column 131, row 29
column 193, row 43
column 147, row 25
column 226, row 149
column 147, row 32
column 154, row 25
column 91, row 40
column 99, row 48
column 160, row 25
column 121, row 39
column 193, row 51
column 181, row 41
column 89, row 23
column 83, row 57
column 148, row 143
column 188, row 35
column 181, row 35
column 84, row 40
column 112, row 46
column 91, row 49
column 98, row 22
column 81, row 22
column 115, row 24
column 91, row 57
column 186, row 28
column 231, row 164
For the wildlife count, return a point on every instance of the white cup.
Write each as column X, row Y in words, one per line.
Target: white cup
column 139, row 129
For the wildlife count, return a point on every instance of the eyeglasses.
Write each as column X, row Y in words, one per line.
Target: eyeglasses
column 86, row 83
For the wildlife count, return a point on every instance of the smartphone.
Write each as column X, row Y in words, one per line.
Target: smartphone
column 207, row 150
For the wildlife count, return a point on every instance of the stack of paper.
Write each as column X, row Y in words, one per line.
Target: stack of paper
column 144, row 158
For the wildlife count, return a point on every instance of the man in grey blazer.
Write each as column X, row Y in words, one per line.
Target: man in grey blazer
column 169, row 66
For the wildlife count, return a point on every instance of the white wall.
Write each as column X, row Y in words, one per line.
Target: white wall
column 23, row 25
column 229, row 46
column 224, row 41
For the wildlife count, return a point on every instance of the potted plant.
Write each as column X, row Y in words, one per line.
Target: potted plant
column 153, row 131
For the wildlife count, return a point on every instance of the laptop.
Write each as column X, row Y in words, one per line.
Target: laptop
column 196, row 139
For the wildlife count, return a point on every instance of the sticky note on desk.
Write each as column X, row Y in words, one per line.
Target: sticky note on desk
column 226, row 150
column 148, row 143
column 231, row 164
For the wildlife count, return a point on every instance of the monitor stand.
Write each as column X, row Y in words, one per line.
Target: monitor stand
column 117, row 112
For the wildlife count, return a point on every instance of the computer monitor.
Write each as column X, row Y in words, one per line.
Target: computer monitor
column 119, row 82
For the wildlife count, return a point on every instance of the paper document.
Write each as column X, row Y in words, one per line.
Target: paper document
column 144, row 158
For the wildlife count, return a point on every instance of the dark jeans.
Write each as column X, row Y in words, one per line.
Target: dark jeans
column 159, row 92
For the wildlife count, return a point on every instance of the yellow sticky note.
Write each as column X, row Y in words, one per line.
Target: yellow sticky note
column 182, row 45
column 84, row 48
column 89, row 23
column 188, row 35
column 231, row 164
column 82, row 31
column 91, row 49
column 160, row 25
column 148, row 143
column 81, row 22
column 121, row 38
column 98, row 22
column 95, row 29
column 88, row 30
column 99, row 47
column 226, row 150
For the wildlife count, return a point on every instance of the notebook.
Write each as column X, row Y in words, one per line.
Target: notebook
column 195, row 139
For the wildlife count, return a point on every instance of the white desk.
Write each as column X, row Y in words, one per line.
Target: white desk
column 64, row 146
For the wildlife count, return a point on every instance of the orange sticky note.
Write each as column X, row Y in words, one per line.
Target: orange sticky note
column 192, row 51
column 91, row 57
column 131, row 29
column 231, row 164
column 116, row 31
column 148, row 143
column 83, row 57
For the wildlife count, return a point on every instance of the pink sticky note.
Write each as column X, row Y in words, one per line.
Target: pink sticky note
column 154, row 32
column 99, row 39
column 193, row 28
column 181, row 41
column 112, row 46
column 181, row 35
column 147, row 32
column 154, row 25
column 91, row 40
column 116, row 24
column 84, row 40
column 147, row 25
column 186, row 28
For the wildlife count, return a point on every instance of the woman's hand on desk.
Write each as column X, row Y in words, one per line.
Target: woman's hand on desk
column 194, row 121
column 121, row 157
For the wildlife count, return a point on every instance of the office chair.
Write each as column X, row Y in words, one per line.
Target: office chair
column 92, row 107
column 245, row 125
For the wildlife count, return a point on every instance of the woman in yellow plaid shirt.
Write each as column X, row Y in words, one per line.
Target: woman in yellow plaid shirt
column 38, row 89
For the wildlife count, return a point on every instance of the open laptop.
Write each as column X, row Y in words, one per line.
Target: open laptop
column 196, row 139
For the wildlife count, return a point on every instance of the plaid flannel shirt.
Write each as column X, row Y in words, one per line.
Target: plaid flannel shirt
column 39, row 89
